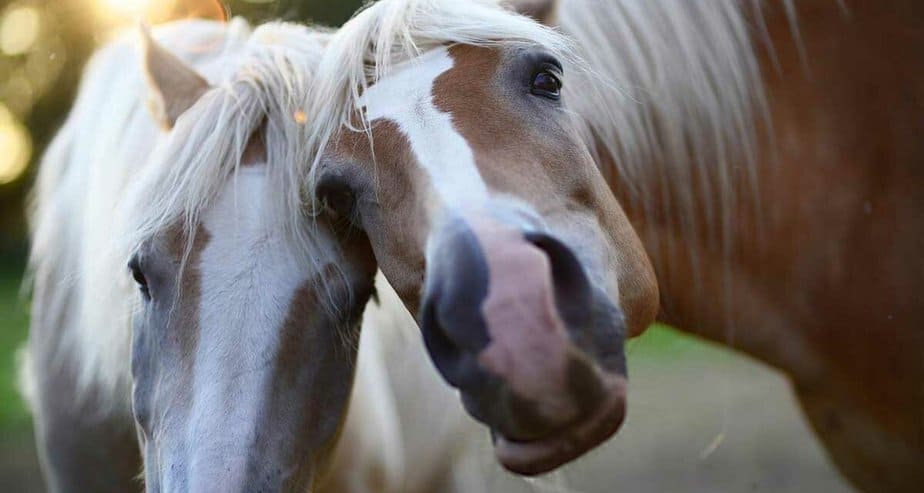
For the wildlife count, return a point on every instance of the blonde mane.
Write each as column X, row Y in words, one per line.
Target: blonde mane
column 392, row 32
column 689, row 112
column 111, row 179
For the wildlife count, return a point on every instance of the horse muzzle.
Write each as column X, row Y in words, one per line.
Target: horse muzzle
column 511, row 319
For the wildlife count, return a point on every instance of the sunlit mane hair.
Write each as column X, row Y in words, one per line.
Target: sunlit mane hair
column 111, row 180
column 690, row 109
column 390, row 32
column 274, row 73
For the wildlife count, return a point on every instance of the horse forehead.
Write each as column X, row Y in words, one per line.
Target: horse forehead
column 249, row 268
column 238, row 211
column 405, row 97
column 409, row 84
column 251, row 275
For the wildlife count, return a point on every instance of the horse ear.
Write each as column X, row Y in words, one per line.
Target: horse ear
column 541, row 10
column 173, row 85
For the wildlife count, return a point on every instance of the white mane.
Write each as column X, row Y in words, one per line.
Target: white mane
column 394, row 31
column 272, row 72
column 690, row 106
column 111, row 178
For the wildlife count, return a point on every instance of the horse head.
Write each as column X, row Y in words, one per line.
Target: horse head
column 460, row 161
column 244, row 339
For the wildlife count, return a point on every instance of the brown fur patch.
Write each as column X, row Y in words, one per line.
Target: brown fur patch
column 183, row 325
column 317, row 355
column 397, row 209
column 544, row 11
column 255, row 151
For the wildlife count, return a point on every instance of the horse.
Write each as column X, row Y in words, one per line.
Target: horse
column 191, row 312
column 768, row 153
column 523, row 271
column 768, row 198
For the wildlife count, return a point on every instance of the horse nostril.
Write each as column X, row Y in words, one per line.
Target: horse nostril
column 447, row 356
column 453, row 327
column 573, row 291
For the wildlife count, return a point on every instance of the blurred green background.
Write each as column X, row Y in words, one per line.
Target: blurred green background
column 700, row 417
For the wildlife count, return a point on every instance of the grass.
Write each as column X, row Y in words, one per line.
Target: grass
column 665, row 342
column 14, row 323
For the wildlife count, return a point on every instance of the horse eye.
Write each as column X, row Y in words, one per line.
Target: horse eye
column 546, row 84
column 337, row 198
column 340, row 204
column 138, row 275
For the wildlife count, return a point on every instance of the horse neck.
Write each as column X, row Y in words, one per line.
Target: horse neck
column 732, row 127
column 831, row 220
column 675, row 138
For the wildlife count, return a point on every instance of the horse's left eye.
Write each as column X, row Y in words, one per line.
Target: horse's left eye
column 546, row 84
column 338, row 199
column 138, row 275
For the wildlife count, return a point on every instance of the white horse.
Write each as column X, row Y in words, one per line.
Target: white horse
column 227, row 364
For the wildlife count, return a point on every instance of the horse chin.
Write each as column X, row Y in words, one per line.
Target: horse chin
column 534, row 457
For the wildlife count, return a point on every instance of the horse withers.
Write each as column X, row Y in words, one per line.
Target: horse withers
column 487, row 215
column 229, row 362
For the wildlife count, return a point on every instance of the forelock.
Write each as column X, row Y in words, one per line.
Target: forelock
column 273, row 73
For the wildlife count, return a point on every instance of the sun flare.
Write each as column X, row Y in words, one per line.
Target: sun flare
column 126, row 8
column 120, row 12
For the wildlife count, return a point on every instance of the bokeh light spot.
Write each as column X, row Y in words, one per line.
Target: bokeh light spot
column 19, row 29
column 16, row 144
column 19, row 95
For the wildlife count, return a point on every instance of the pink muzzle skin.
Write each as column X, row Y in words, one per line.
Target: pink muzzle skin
column 532, row 353
column 511, row 319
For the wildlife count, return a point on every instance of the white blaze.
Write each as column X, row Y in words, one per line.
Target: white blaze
column 249, row 275
column 406, row 97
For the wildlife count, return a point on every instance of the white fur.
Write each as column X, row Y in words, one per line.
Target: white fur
column 249, row 273
column 405, row 96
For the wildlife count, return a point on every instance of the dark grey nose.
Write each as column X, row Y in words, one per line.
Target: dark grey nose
column 573, row 292
column 454, row 329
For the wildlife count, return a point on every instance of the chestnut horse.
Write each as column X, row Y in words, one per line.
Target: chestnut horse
column 229, row 363
column 769, row 156
column 487, row 215
column 766, row 155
